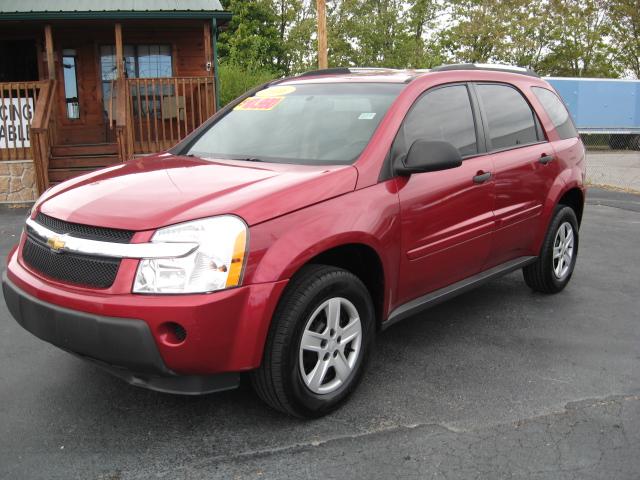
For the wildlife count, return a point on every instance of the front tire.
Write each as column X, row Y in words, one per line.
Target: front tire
column 554, row 267
column 318, row 344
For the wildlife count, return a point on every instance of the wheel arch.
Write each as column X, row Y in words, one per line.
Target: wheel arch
column 364, row 262
column 574, row 198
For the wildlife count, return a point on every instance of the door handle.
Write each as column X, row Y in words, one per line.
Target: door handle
column 482, row 177
column 544, row 159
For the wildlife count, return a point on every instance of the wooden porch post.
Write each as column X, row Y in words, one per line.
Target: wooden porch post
column 119, row 52
column 48, row 45
column 207, row 48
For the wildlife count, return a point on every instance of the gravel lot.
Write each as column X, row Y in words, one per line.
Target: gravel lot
column 498, row 383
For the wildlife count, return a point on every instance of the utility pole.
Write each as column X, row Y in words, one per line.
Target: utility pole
column 322, row 34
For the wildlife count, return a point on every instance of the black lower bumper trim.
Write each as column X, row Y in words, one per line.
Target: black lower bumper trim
column 124, row 347
column 177, row 384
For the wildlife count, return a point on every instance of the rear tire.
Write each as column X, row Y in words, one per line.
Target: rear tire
column 553, row 269
column 318, row 344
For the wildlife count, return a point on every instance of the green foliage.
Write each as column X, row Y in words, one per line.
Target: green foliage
column 556, row 37
column 236, row 80
column 252, row 38
column 580, row 30
column 625, row 33
column 381, row 33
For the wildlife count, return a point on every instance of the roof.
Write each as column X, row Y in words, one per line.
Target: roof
column 355, row 75
column 392, row 75
column 39, row 6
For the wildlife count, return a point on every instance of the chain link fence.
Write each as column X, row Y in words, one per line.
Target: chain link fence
column 613, row 160
column 602, row 142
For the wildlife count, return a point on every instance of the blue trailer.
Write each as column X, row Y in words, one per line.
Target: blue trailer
column 600, row 105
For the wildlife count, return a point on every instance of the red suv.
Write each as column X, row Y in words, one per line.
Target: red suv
column 299, row 221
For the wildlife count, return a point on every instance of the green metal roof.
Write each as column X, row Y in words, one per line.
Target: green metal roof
column 68, row 6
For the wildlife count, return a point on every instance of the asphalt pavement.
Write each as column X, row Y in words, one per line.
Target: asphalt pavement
column 498, row 383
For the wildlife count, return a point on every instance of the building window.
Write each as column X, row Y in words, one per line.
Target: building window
column 70, row 76
column 141, row 61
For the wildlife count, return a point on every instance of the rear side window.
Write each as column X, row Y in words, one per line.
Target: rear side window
column 511, row 121
column 444, row 114
column 557, row 113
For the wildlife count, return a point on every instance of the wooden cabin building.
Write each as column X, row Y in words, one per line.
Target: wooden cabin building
column 87, row 83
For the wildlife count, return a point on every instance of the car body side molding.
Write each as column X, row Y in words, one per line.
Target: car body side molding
column 438, row 296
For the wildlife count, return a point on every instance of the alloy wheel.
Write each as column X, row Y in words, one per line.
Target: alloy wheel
column 330, row 345
column 563, row 250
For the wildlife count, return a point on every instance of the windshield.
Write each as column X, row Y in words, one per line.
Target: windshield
column 303, row 124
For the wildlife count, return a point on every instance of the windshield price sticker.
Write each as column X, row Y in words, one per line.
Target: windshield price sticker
column 275, row 91
column 259, row 103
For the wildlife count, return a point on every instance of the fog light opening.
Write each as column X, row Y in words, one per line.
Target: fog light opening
column 172, row 333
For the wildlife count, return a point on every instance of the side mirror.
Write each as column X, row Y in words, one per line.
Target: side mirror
column 429, row 156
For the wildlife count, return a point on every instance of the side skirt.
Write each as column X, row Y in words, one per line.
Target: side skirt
column 438, row 296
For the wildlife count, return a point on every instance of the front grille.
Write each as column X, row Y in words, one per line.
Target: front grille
column 84, row 231
column 82, row 270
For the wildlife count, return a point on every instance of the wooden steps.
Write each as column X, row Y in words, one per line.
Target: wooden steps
column 68, row 161
column 97, row 161
column 86, row 149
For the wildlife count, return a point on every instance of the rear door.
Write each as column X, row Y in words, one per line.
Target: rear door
column 447, row 217
column 523, row 165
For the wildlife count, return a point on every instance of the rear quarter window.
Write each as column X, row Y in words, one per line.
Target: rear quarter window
column 557, row 112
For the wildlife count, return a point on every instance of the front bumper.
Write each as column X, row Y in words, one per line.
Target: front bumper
column 123, row 332
column 124, row 347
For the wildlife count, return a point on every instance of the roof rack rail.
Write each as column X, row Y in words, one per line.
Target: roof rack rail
column 347, row 70
column 496, row 67
column 326, row 71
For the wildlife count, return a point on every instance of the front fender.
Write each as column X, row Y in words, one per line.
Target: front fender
column 280, row 247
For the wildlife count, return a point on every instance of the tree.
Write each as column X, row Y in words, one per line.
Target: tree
column 252, row 38
column 556, row 37
column 625, row 32
column 580, row 49
column 380, row 33
column 478, row 31
column 297, row 33
column 528, row 36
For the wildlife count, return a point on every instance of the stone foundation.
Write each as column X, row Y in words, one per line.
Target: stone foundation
column 17, row 181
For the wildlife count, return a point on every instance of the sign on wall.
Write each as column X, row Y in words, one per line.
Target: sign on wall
column 15, row 122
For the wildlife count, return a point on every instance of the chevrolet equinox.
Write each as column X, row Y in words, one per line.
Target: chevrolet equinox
column 296, row 223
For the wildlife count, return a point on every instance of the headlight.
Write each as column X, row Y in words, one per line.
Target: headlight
column 217, row 263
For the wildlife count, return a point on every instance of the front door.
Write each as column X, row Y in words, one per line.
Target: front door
column 447, row 216
column 80, row 112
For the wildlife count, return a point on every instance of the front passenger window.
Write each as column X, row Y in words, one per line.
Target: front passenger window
column 443, row 114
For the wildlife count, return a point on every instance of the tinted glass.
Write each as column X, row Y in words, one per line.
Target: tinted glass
column 557, row 112
column 443, row 114
column 511, row 120
column 304, row 124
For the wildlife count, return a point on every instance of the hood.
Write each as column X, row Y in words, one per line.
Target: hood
column 152, row 192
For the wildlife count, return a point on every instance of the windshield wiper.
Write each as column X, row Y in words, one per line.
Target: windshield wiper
column 249, row 159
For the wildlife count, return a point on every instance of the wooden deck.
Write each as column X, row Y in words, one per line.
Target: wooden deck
column 144, row 116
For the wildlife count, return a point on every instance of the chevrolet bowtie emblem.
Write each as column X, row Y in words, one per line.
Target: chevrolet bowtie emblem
column 56, row 243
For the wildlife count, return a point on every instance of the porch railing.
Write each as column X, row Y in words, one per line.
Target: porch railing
column 17, row 106
column 165, row 110
column 120, row 120
column 153, row 114
column 43, row 130
column 27, row 125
